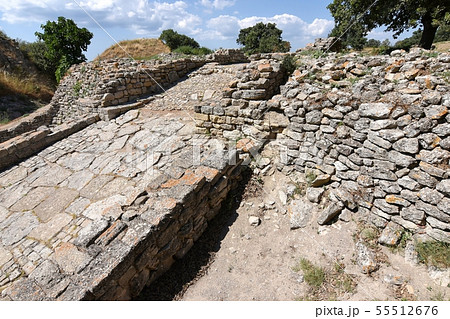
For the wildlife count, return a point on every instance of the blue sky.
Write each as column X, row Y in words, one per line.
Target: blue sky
column 213, row 23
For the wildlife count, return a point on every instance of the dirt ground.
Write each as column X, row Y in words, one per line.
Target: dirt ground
column 236, row 261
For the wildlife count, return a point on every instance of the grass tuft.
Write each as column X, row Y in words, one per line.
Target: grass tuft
column 434, row 253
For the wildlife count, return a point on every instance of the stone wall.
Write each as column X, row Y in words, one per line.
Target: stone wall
column 132, row 245
column 373, row 129
column 42, row 116
column 244, row 103
column 24, row 145
column 92, row 87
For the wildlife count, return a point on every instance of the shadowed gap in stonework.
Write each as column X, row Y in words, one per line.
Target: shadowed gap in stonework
column 173, row 284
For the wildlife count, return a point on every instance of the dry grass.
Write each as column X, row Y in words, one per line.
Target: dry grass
column 442, row 46
column 325, row 284
column 139, row 49
column 30, row 87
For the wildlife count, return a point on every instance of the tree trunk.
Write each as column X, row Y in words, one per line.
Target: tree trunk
column 429, row 31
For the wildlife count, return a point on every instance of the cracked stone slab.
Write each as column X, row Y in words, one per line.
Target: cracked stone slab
column 45, row 232
column 13, row 176
column 52, row 177
column 77, row 161
column 5, row 256
column 16, row 227
column 70, row 259
column 108, row 207
column 53, row 205
column 33, row 198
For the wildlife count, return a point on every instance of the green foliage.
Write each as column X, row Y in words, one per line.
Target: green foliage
column 62, row 68
column 77, row 88
column 351, row 36
column 314, row 276
column 35, row 51
column 434, row 253
column 65, row 44
column 396, row 15
column 442, row 33
column 372, row 43
column 193, row 51
column 174, row 40
column 289, row 64
column 262, row 38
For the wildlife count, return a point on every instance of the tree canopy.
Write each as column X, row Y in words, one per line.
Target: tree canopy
column 396, row 15
column 174, row 40
column 262, row 38
column 65, row 44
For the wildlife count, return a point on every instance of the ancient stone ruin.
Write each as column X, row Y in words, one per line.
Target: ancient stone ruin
column 100, row 193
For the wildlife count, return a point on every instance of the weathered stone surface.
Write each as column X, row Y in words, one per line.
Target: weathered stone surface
column 70, row 259
column 16, row 227
column 436, row 156
column 320, row 180
column 430, row 196
column 5, row 256
column 329, row 213
column 423, row 178
column 414, row 215
column 55, row 204
column 254, row 221
column 52, row 176
column 407, row 145
column 314, row 194
column 390, row 236
column 385, row 207
column 444, row 186
column 401, row 159
column 300, row 212
column 395, row 200
column 365, row 258
column 375, row 110
column 45, row 232
column 33, row 198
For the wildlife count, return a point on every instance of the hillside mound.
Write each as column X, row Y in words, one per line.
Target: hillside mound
column 443, row 46
column 139, row 49
column 23, row 88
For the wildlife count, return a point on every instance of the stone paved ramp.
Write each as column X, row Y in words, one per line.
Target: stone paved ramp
column 71, row 215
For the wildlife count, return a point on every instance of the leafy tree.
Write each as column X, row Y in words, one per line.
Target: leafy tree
column 262, row 38
column 353, row 36
column 174, row 40
column 396, row 15
column 35, row 51
column 65, row 44
column 372, row 43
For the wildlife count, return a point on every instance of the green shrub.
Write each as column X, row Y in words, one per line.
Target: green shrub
column 193, row 51
column 35, row 51
column 63, row 66
column 174, row 40
column 289, row 64
column 314, row 276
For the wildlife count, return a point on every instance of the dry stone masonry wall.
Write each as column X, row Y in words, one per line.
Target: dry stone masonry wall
column 244, row 102
column 98, row 90
column 107, row 210
column 96, row 87
column 374, row 128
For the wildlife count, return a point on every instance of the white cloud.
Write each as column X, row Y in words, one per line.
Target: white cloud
column 142, row 16
column 295, row 30
column 217, row 4
column 147, row 18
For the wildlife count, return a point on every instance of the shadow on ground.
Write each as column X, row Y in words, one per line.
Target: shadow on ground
column 184, row 272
